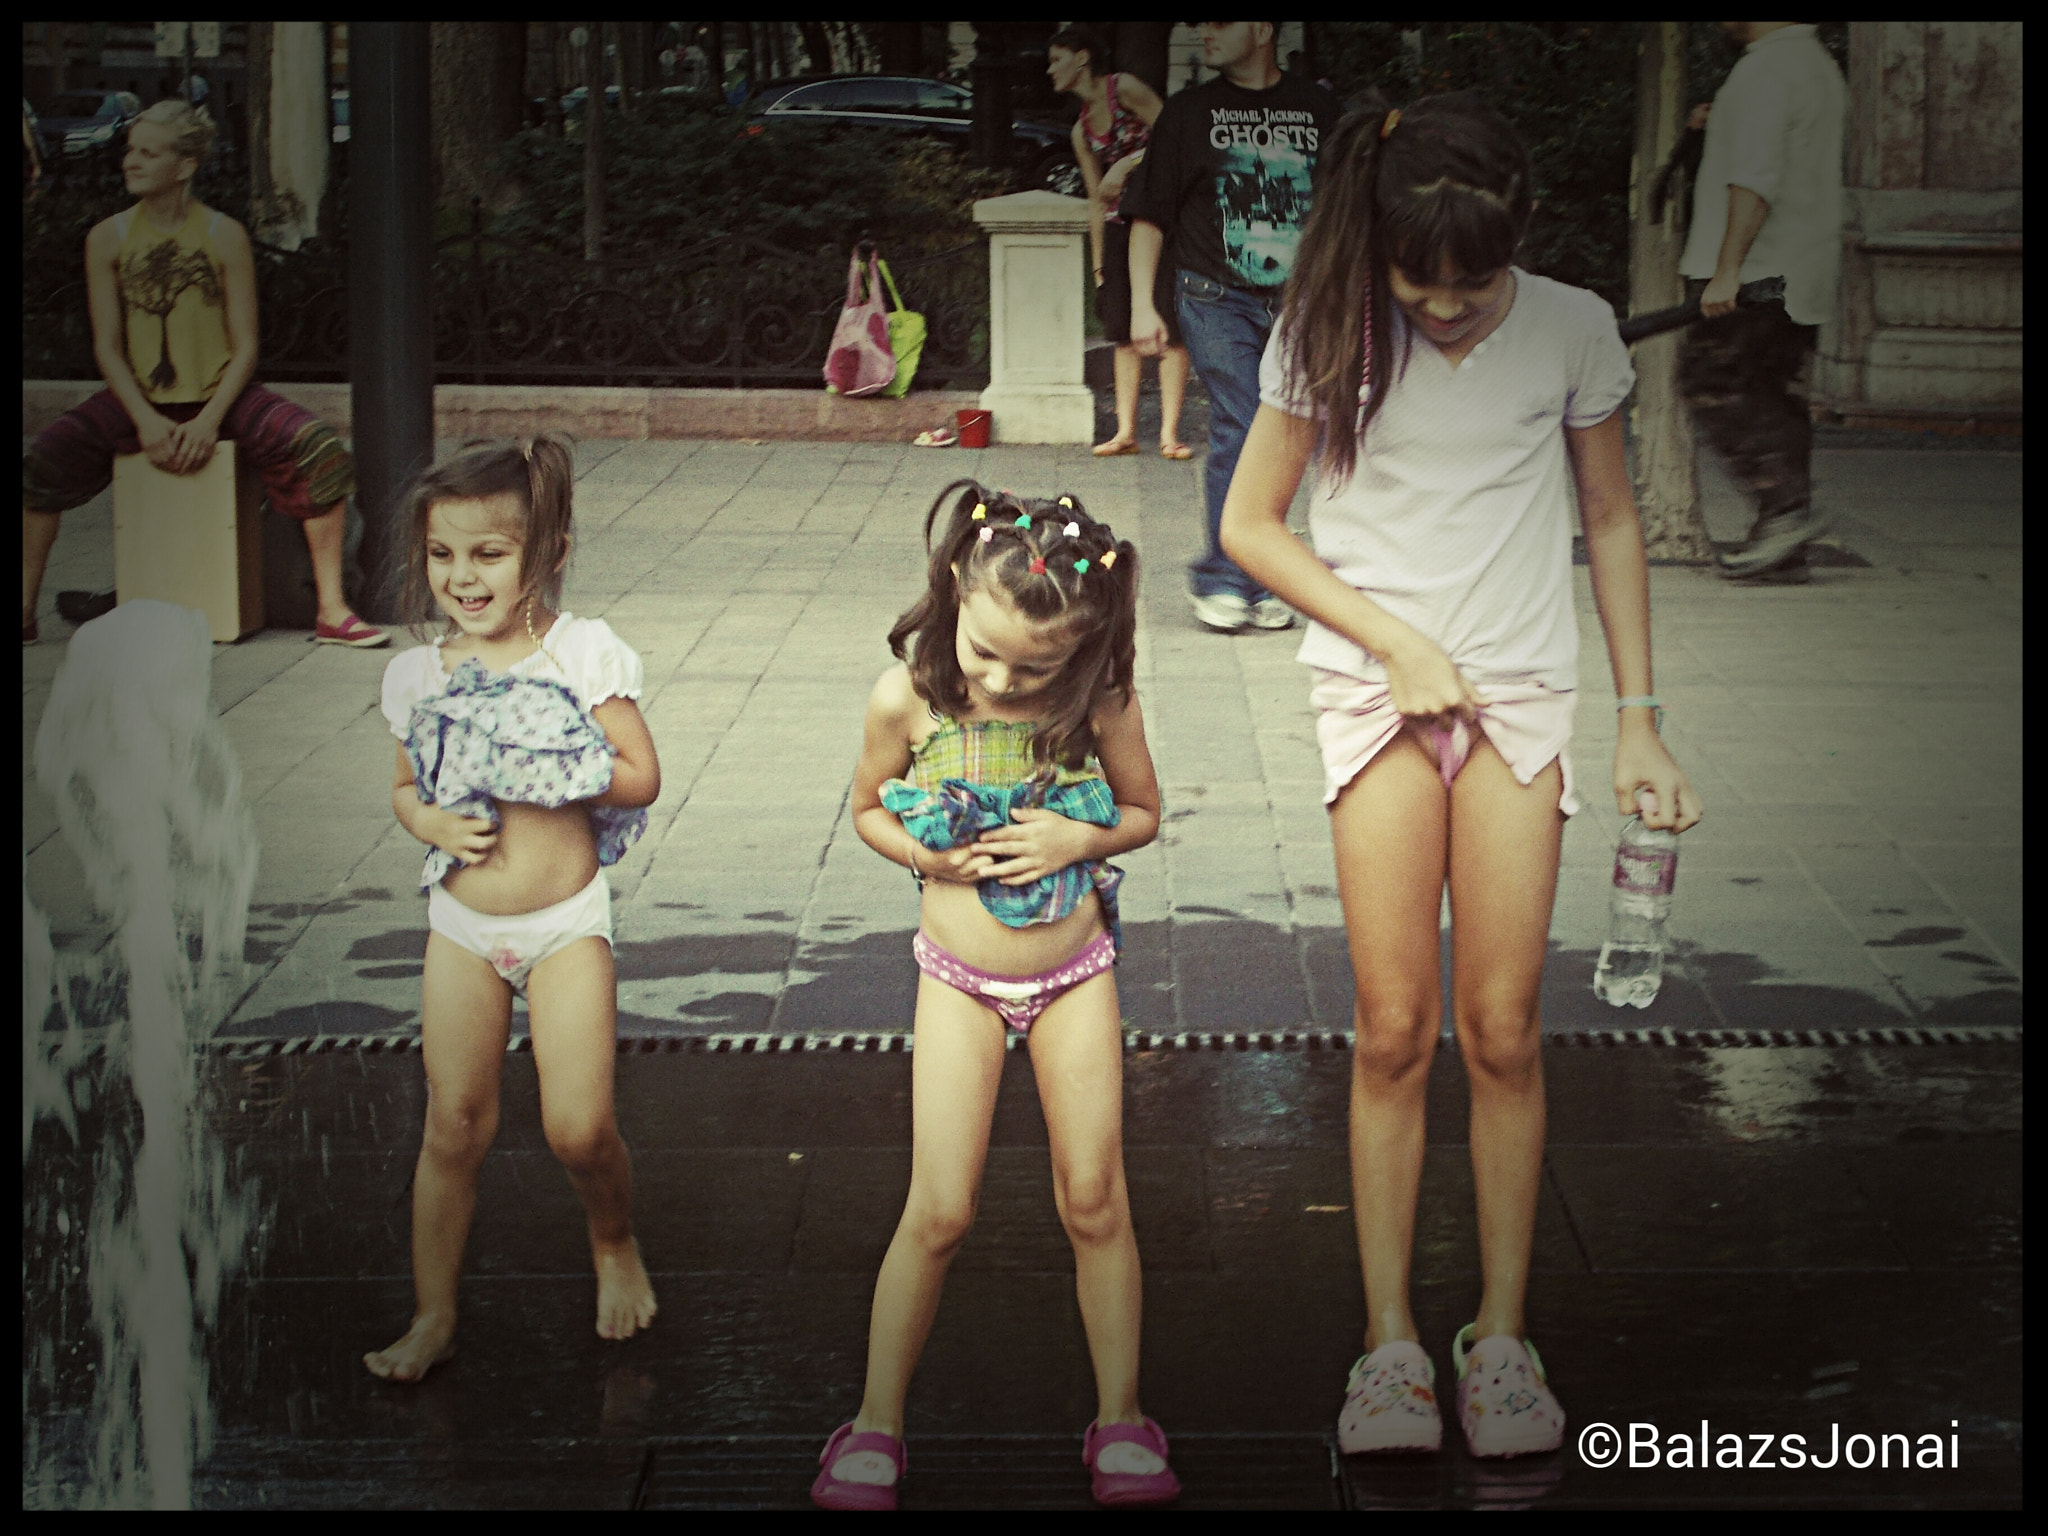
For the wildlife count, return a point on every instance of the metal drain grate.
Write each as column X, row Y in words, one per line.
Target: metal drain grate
column 1139, row 1040
column 992, row 1472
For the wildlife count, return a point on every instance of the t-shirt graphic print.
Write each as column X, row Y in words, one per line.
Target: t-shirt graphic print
column 1263, row 188
column 1228, row 177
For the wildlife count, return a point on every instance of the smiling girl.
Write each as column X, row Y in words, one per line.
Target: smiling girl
column 1453, row 404
column 524, row 764
column 1004, row 764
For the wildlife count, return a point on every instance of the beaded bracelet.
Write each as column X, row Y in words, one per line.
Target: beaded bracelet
column 1643, row 701
column 916, row 873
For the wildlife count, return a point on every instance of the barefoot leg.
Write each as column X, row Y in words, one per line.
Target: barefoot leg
column 465, row 1016
column 1173, row 391
column 574, row 1000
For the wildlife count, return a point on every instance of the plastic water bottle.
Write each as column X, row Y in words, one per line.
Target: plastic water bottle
column 1645, row 871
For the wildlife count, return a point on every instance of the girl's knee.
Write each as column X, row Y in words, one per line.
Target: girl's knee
column 1092, row 1203
column 582, row 1145
column 938, row 1226
column 1395, row 1040
column 1503, row 1042
column 459, row 1131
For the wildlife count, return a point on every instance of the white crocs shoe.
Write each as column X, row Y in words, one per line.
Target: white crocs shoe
column 1505, row 1405
column 1390, row 1402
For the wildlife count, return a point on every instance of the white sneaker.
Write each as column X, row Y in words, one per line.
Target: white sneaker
column 1222, row 611
column 1271, row 613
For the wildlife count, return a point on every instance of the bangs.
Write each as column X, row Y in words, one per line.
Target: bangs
column 1449, row 228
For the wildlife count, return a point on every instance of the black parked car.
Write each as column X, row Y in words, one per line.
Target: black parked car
column 89, row 122
column 911, row 104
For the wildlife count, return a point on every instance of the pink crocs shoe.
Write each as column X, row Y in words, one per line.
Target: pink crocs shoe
column 1390, row 1402
column 1505, row 1405
column 873, row 1463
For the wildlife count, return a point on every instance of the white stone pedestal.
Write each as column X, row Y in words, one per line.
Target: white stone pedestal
column 1037, row 270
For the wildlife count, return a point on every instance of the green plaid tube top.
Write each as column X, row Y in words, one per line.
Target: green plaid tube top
column 985, row 752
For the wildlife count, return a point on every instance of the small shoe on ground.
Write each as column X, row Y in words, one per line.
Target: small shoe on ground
column 84, row 607
column 1505, row 1405
column 1773, row 540
column 1792, row 571
column 1128, row 1490
column 1225, row 612
column 1175, row 451
column 938, row 437
column 858, row 1490
column 1390, row 1402
column 352, row 631
column 1270, row 613
column 1115, row 448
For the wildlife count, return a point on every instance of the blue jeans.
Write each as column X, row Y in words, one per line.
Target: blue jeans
column 1226, row 330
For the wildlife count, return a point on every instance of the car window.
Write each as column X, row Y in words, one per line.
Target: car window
column 823, row 97
column 882, row 96
column 938, row 96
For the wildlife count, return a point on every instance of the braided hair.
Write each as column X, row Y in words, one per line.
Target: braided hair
column 1056, row 566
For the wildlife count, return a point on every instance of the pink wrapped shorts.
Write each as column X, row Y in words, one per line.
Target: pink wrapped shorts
column 1527, row 723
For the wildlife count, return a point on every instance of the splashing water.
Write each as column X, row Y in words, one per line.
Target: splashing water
column 150, row 799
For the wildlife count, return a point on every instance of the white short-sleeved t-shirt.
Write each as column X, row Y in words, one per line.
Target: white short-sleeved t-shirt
column 581, row 654
column 1457, row 519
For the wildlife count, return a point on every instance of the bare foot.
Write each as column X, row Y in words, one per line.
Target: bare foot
column 429, row 1341
column 1175, row 449
column 625, row 1296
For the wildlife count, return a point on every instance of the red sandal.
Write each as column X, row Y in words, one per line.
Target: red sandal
column 1128, row 1490
column 830, row 1492
column 352, row 631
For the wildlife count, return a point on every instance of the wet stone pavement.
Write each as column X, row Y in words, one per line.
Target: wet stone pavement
column 1774, row 1241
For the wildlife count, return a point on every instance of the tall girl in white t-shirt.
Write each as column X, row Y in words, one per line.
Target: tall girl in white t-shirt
column 1464, row 400
column 524, row 764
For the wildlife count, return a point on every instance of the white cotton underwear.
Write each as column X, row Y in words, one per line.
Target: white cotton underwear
column 515, row 944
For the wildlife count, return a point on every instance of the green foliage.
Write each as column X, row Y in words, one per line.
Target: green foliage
column 677, row 172
column 1568, row 87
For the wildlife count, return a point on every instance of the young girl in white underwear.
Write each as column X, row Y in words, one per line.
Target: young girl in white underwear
column 1004, row 764
column 1452, row 404
column 524, row 765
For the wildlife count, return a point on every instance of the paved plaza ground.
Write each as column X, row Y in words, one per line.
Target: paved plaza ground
column 1772, row 1237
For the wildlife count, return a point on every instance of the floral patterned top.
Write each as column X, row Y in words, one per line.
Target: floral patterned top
column 525, row 734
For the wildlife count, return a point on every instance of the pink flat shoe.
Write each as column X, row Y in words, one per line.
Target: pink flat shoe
column 1128, row 1490
column 352, row 631
column 1505, row 1404
column 1390, row 1402
column 830, row 1492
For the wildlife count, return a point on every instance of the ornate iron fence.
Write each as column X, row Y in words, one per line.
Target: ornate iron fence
column 727, row 310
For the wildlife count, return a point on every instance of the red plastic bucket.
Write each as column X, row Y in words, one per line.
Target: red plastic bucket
column 973, row 428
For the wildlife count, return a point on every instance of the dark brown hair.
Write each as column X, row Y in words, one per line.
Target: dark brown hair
column 1085, row 583
column 1082, row 38
column 537, row 472
column 1448, row 188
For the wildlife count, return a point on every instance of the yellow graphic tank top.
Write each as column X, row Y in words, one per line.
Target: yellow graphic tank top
column 173, row 304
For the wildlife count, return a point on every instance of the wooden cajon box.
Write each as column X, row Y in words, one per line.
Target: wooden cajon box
column 195, row 540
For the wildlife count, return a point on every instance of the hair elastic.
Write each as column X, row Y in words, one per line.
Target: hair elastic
column 1109, row 559
column 987, row 534
column 1067, row 502
column 979, row 513
column 1038, row 566
column 1072, row 530
column 1023, row 519
column 1081, row 566
column 1392, row 122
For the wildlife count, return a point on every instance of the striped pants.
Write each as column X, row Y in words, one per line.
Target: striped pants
column 305, row 469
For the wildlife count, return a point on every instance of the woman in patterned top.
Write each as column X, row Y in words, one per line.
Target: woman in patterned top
column 1117, row 113
column 1013, row 705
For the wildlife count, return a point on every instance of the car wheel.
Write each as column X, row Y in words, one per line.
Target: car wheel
column 1058, row 173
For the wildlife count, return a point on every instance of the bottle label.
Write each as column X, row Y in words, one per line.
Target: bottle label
column 1644, row 872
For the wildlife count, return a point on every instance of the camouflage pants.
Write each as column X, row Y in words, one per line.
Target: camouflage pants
column 1742, row 376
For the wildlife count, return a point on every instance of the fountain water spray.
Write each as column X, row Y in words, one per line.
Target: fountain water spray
column 150, row 798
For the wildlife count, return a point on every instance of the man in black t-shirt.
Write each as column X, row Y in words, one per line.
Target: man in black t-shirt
column 1222, row 195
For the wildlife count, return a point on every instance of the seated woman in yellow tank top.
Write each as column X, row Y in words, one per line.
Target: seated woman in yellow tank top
column 172, row 287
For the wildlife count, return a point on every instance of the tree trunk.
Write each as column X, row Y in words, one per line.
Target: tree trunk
column 479, row 70
column 593, row 145
column 1141, row 49
column 817, row 48
column 550, row 77
column 289, row 131
column 1666, row 469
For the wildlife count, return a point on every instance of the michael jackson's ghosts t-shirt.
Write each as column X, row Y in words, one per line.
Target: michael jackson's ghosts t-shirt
column 1229, row 174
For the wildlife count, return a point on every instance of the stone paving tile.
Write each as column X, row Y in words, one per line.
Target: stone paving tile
column 1852, row 737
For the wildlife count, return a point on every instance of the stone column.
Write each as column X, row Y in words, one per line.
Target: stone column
column 1036, row 286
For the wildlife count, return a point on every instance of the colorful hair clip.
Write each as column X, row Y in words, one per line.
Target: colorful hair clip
column 1067, row 502
column 1073, row 530
column 1081, row 566
column 1023, row 519
column 1108, row 559
column 1038, row 567
column 987, row 534
column 980, row 511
